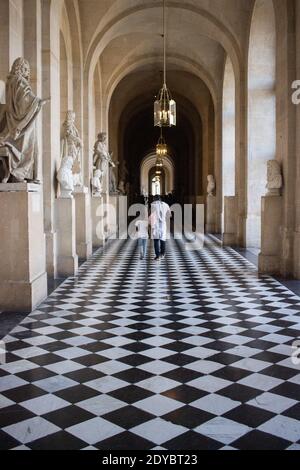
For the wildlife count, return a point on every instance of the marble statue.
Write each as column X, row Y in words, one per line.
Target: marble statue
column 274, row 177
column 96, row 182
column 112, row 179
column 101, row 159
column 18, row 141
column 65, row 177
column 211, row 185
column 72, row 147
column 123, row 172
column 122, row 188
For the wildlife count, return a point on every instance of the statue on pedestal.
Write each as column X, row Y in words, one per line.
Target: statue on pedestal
column 101, row 160
column 18, row 141
column 65, row 177
column 113, row 179
column 96, row 183
column 211, row 186
column 274, row 176
column 72, row 147
column 123, row 173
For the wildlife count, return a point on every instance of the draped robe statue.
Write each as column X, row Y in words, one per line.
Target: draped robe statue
column 71, row 146
column 18, row 142
column 211, row 185
column 102, row 160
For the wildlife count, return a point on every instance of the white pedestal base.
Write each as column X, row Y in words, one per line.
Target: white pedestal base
column 230, row 221
column 67, row 259
column 269, row 258
column 83, row 224
column 98, row 234
column 23, row 277
column 210, row 226
column 113, row 216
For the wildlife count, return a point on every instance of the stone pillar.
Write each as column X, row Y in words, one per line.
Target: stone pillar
column 210, row 214
column 23, row 277
column 271, row 222
column 98, row 214
column 51, row 129
column 83, row 223
column 230, row 221
column 67, row 259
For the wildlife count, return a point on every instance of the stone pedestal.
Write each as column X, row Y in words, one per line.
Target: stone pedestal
column 230, row 221
column 23, row 277
column 271, row 218
column 210, row 226
column 83, row 223
column 98, row 214
column 112, row 228
column 67, row 259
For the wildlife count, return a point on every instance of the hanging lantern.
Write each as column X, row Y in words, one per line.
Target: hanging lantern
column 164, row 106
column 164, row 109
column 161, row 147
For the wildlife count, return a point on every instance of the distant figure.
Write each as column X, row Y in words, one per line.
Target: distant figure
column 160, row 211
column 142, row 230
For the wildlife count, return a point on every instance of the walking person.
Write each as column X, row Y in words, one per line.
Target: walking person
column 142, row 232
column 160, row 211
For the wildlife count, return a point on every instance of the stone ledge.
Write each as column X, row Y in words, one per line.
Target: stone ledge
column 15, row 187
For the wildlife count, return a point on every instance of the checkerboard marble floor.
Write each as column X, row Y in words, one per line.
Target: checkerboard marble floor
column 193, row 352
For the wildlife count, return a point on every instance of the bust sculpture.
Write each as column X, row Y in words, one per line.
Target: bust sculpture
column 65, row 177
column 274, row 177
column 211, row 186
column 72, row 146
column 18, row 141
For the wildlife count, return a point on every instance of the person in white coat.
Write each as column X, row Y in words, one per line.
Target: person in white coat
column 160, row 212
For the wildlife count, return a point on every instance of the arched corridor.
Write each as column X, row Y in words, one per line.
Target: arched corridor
column 191, row 353
column 102, row 346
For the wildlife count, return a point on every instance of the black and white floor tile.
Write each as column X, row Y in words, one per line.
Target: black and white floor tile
column 192, row 352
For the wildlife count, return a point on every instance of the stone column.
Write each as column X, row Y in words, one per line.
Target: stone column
column 67, row 259
column 23, row 277
column 230, row 221
column 210, row 214
column 83, row 223
column 271, row 222
column 51, row 129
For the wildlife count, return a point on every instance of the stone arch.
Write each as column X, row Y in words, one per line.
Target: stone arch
column 174, row 60
column 261, row 112
column 146, row 166
column 66, row 66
